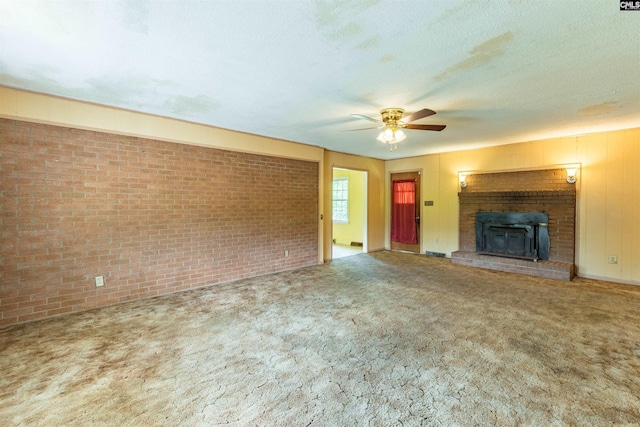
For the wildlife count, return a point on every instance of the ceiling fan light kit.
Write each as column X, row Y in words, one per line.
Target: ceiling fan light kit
column 392, row 123
column 391, row 135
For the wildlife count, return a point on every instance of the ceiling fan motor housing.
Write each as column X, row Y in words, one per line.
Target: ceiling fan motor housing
column 391, row 116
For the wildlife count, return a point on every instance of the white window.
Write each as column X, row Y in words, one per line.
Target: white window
column 341, row 199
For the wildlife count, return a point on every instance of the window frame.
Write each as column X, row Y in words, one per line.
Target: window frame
column 344, row 181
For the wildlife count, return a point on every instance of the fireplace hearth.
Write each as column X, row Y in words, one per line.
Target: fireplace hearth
column 522, row 235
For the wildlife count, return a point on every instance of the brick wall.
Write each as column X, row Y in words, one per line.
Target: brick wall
column 526, row 191
column 151, row 217
column 536, row 180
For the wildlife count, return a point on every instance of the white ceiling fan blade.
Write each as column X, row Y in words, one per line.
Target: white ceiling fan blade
column 377, row 127
column 371, row 119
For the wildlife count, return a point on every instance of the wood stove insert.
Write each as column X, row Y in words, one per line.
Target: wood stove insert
column 522, row 235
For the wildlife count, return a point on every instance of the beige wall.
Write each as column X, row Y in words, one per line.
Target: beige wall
column 608, row 183
column 353, row 231
column 608, row 190
column 59, row 111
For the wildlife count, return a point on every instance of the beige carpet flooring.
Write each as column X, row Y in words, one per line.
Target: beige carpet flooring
column 380, row 339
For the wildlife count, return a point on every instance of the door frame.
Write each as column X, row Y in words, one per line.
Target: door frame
column 365, row 201
column 397, row 175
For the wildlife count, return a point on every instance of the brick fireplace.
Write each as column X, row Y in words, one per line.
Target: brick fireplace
column 531, row 197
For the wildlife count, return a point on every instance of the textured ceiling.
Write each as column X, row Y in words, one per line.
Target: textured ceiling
column 495, row 71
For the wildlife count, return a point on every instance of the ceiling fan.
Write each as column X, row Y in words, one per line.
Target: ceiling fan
column 392, row 124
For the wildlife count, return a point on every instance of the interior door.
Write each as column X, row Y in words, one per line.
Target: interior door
column 405, row 211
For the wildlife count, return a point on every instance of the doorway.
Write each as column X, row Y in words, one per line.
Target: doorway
column 349, row 213
column 405, row 212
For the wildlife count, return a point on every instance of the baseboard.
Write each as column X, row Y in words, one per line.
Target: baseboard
column 608, row 279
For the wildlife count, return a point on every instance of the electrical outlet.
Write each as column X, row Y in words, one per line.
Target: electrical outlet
column 613, row 259
column 286, row 253
column 99, row 280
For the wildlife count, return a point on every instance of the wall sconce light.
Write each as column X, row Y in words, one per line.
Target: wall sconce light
column 571, row 174
column 463, row 180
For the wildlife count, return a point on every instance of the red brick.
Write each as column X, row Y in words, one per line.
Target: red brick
column 153, row 217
